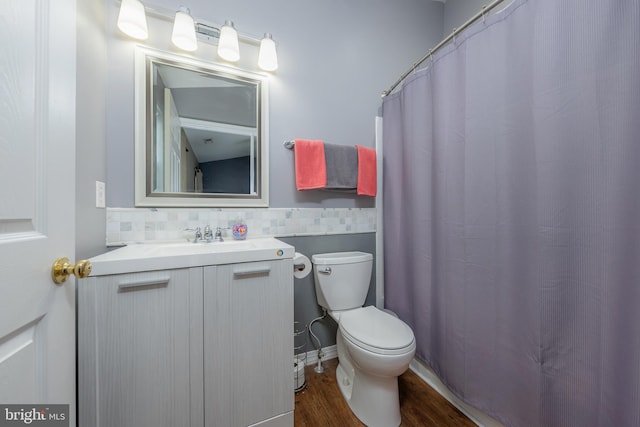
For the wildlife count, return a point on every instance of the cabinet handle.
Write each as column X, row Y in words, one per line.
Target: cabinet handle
column 263, row 270
column 135, row 284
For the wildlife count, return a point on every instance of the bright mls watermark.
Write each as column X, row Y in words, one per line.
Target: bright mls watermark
column 34, row 415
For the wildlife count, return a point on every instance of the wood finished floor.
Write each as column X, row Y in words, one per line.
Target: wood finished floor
column 321, row 403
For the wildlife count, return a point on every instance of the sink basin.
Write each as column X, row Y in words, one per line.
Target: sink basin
column 163, row 256
column 197, row 248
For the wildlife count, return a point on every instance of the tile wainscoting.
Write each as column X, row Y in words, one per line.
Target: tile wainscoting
column 140, row 225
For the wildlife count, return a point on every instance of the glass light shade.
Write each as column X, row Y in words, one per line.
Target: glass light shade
column 228, row 47
column 184, row 31
column 267, row 58
column 132, row 20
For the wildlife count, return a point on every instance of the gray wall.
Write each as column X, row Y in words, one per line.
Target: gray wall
column 227, row 176
column 335, row 59
column 328, row 85
column 90, row 127
column 306, row 307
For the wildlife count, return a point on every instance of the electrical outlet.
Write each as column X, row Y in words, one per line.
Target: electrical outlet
column 100, row 195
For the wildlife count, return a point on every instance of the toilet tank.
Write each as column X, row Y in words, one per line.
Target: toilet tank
column 342, row 279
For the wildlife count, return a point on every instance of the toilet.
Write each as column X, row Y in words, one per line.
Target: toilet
column 374, row 346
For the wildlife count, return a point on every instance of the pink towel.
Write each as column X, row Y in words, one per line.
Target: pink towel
column 311, row 168
column 367, row 169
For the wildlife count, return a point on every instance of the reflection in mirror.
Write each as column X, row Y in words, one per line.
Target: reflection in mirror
column 204, row 137
column 199, row 145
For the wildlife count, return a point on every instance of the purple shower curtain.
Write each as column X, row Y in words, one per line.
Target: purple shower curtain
column 512, row 213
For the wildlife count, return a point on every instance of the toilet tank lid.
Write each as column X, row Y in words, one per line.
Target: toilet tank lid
column 341, row 257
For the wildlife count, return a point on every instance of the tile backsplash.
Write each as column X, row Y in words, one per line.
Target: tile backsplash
column 139, row 225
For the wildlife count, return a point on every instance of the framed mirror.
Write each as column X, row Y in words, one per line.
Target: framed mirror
column 201, row 133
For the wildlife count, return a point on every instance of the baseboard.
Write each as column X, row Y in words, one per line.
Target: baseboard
column 330, row 352
column 474, row 414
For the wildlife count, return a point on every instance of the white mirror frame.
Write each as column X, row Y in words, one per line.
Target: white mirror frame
column 142, row 199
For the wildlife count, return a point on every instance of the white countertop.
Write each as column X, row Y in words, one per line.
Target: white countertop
column 165, row 256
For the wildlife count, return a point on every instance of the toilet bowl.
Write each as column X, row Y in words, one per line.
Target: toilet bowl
column 374, row 347
column 370, row 360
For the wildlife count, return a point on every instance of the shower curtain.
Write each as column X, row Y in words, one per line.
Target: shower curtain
column 512, row 213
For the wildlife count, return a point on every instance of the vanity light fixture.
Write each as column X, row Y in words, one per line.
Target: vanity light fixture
column 268, row 58
column 184, row 31
column 132, row 20
column 228, row 47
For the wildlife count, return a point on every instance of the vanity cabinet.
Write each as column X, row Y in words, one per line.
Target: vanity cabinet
column 134, row 348
column 248, row 343
column 198, row 346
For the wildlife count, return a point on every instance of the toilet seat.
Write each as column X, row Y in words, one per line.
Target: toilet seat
column 376, row 331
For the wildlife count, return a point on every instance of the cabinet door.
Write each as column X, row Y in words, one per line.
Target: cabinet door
column 134, row 344
column 248, row 342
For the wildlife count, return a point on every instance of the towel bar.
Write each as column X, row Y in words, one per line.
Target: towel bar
column 289, row 144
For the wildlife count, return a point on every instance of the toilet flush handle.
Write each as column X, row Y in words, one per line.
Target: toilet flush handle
column 325, row 270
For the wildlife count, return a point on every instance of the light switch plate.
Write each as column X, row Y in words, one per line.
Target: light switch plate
column 100, row 195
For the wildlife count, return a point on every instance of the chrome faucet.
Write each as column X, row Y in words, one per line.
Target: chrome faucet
column 218, row 236
column 198, row 234
column 208, row 235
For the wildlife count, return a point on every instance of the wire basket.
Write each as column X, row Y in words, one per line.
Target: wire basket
column 299, row 355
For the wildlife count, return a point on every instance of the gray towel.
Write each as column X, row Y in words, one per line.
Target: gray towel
column 342, row 166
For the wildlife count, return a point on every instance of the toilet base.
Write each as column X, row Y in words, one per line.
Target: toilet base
column 345, row 382
column 374, row 400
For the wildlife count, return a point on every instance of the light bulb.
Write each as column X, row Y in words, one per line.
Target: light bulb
column 132, row 20
column 268, row 58
column 184, row 31
column 228, row 47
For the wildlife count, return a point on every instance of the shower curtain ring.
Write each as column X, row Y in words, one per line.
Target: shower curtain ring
column 483, row 8
column 454, row 35
column 431, row 55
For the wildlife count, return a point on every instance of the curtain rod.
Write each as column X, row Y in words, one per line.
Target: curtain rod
column 437, row 47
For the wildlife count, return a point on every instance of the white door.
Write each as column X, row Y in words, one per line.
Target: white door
column 172, row 145
column 37, row 194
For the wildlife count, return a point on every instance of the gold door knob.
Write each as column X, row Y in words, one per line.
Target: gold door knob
column 62, row 268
